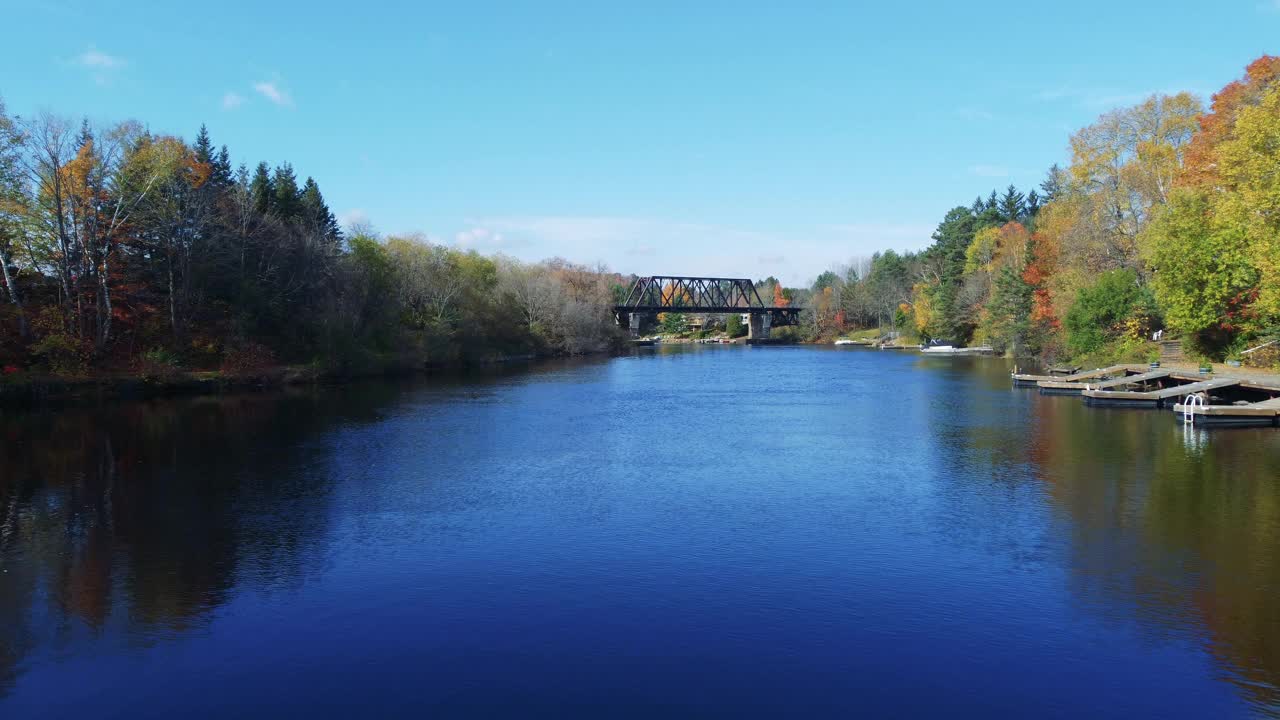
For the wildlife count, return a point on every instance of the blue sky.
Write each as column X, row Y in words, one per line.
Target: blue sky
column 659, row 138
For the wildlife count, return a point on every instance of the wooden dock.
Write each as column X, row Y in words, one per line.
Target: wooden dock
column 1080, row 387
column 1065, row 382
column 1259, row 414
column 1159, row 397
column 1224, row 400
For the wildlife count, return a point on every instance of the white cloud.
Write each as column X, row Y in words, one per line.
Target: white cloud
column 649, row 246
column 95, row 59
column 352, row 217
column 271, row 90
column 486, row 239
column 102, row 67
column 990, row 171
column 231, row 101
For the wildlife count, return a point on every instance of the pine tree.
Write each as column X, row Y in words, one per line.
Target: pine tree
column 86, row 134
column 1054, row 185
column 203, row 146
column 222, row 168
column 1033, row 204
column 286, row 205
column 1012, row 205
column 993, row 202
column 978, row 206
column 315, row 211
column 951, row 240
column 263, row 189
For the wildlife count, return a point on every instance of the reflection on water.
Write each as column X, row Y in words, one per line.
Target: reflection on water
column 1177, row 521
column 688, row 486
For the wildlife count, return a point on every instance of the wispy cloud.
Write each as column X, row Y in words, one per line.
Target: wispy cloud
column 271, row 90
column 656, row 245
column 989, row 171
column 98, row 60
column 101, row 66
column 488, row 239
column 353, row 217
column 231, row 101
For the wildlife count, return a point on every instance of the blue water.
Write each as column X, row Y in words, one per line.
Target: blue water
column 687, row 532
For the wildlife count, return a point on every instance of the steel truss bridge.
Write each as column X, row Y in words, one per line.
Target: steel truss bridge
column 701, row 296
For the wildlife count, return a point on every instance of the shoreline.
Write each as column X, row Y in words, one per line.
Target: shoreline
column 40, row 391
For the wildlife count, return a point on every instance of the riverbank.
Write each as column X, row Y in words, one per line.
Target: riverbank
column 27, row 390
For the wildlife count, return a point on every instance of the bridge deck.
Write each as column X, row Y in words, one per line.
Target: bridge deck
column 705, row 309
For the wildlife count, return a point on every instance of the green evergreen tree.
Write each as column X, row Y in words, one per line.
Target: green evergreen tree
column 1012, row 205
column 263, row 189
column 203, row 147
column 316, row 212
column 222, row 176
column 951, row 240
column 1054, row 185
column 287, row 203
column 1033, row 204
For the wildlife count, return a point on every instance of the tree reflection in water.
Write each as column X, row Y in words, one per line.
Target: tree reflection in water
column 1184, row 523
column 140, row 518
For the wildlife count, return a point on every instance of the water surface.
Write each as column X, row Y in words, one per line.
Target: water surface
column 687, row 532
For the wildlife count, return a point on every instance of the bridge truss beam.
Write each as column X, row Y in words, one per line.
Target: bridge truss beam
column 699, row 295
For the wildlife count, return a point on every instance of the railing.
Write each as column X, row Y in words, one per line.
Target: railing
column 1189, row 405
column 1263, row 345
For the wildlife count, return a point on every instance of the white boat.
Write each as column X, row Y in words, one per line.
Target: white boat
column 845, row 342
column 953, row 350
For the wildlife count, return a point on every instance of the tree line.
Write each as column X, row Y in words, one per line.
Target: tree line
column 1167, row 217
column 122, row 248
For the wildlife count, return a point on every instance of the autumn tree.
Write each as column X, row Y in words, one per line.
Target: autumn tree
column 779, row 297
column 14, row 209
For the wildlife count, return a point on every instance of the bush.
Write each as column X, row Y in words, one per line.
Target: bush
column 158, row 362
column 62, row 353
column 247, row 358
column 734, row 326
column 1114, row 307
column 788, row 333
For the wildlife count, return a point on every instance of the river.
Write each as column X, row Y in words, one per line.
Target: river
column 689, row 531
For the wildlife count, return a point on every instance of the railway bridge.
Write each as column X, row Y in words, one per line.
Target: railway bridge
column 702, row 296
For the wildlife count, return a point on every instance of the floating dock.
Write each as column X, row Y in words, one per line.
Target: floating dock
column 1159, row 397
column 1201, row 398
column 1259, row 414
column 1074, row 383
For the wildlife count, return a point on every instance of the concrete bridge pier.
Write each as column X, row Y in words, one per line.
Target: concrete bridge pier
column 758, row 326
column 634, row 322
